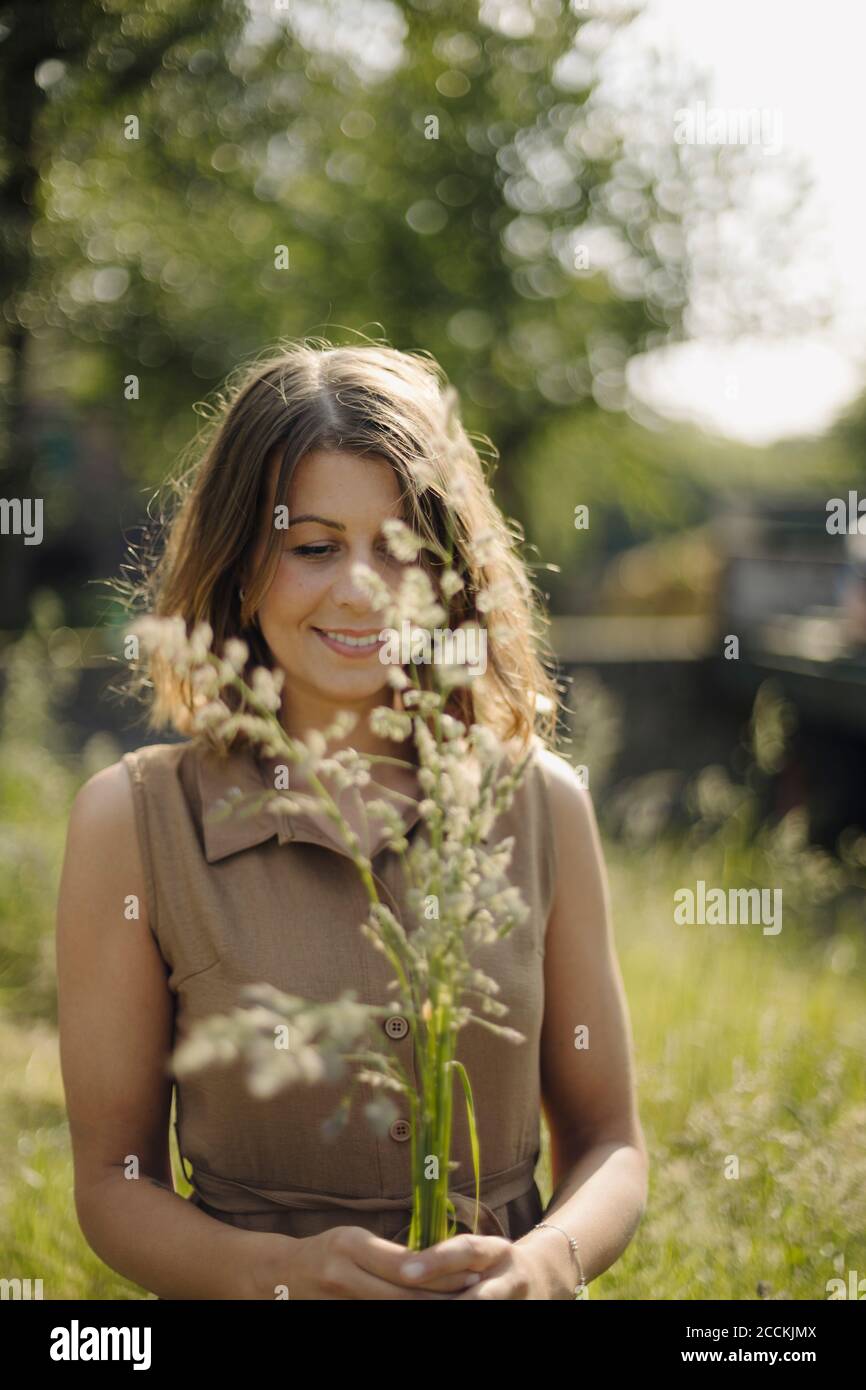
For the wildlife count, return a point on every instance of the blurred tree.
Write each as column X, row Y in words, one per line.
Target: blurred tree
column 97, row 55
column 458, row 178
column 850, row 432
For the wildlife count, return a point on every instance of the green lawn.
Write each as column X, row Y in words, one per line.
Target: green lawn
column 750, row 1046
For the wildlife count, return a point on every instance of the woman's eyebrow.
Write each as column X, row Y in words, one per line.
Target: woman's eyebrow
column 308, row 516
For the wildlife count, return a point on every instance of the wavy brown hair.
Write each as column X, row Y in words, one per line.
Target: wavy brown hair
column 366, row 399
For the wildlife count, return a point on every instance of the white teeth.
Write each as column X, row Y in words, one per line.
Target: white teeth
column 347, row 641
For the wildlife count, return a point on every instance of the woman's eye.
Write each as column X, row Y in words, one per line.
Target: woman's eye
column 327, row 549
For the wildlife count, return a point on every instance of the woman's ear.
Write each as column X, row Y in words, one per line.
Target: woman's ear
column 241, row 588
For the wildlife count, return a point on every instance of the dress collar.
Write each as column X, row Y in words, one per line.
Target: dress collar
column 217, row 773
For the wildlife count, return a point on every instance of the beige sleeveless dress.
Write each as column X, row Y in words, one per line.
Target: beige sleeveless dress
column 257, row 898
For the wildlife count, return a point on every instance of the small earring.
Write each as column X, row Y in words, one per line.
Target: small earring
column 242, row 593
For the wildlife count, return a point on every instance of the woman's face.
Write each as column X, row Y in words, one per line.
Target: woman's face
column 337, row 503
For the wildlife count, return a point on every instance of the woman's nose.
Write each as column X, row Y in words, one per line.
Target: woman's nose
column 345, row 588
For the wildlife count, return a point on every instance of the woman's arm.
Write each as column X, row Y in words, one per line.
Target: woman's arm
column 116, row 1017
column 599, row 1156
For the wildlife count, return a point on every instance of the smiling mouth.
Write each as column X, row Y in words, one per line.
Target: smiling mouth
column 349, row 644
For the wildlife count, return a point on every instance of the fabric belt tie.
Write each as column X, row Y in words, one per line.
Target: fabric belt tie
column 228, row 1195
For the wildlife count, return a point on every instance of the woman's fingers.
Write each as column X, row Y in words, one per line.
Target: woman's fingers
column 382, row 1261
column 448, row 1283
column 362, row 1265
column 357, row 1283
column 388, row 1261
column 460, row 1254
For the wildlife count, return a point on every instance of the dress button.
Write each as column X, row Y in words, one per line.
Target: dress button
column 396, row 1026
column 400, row 1130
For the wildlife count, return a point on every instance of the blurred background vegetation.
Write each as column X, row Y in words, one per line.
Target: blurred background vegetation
column 183, row 183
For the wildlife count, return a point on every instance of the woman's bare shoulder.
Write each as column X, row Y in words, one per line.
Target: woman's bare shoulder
column 559, row 773
column 569, row 799
column 109, row 792
column 102, row 864
column 105, row 795
column 101, row 830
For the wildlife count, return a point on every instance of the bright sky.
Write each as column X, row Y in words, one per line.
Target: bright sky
column 805, row 60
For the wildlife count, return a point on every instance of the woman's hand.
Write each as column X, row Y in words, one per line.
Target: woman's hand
column 507, row 1269
column 347, row 1262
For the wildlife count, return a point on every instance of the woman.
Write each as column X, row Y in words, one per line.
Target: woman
column 165, row 911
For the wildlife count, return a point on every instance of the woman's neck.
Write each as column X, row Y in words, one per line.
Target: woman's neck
column 361, row 738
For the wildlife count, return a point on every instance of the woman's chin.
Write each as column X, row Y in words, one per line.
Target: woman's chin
column 359, row 686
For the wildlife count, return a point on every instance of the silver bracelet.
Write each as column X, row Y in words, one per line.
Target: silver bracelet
column 581, row 1289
